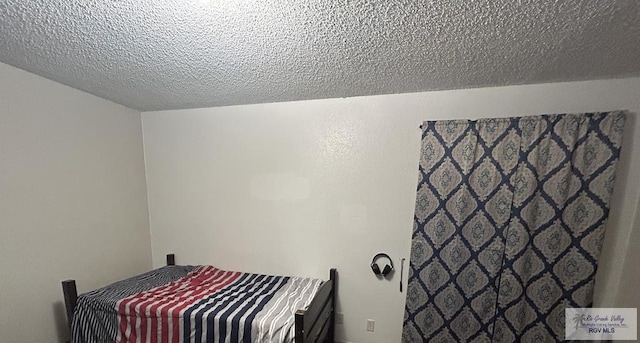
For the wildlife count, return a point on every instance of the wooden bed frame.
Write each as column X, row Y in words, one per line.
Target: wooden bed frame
column 315, row 324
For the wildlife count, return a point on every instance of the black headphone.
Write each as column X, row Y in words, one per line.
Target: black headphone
column 387, row 268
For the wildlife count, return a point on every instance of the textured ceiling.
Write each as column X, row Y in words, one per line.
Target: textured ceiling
column 170, row 54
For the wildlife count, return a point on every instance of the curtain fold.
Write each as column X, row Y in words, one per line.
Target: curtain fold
column 509, row 221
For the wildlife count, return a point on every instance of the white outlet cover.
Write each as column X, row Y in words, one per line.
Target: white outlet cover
column 371, row 325
column 339, row 318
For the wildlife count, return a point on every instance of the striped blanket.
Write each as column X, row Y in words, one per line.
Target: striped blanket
column 193, row 304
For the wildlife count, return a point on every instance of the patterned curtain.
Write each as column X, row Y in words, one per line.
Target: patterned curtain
column 509, row 221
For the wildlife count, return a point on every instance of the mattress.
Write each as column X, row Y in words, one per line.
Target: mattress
column 193, row 304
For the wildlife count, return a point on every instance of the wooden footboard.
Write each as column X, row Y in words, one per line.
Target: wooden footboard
column 316, row 323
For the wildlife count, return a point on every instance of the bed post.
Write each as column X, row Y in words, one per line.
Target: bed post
column 70, row 299
column 299, row 326
column 171, row 259
column 334, row 292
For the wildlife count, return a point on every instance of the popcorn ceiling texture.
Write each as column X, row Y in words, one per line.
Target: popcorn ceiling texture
column 155, row 55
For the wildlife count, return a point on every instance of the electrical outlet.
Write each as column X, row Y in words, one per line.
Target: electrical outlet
column 371, row 324
column 339, row 318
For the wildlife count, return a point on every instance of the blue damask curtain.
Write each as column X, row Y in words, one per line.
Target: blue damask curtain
column 509, row 222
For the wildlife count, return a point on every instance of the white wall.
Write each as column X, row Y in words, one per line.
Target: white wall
column 72, row 200
column 299, row 187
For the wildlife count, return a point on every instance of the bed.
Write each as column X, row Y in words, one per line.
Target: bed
column 203, row 304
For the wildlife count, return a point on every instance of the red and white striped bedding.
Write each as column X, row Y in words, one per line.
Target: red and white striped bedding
column 193, row 304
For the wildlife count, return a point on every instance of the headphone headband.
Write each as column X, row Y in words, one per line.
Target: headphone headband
column 381, row 254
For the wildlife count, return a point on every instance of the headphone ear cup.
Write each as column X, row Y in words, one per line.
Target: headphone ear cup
column 387, row 270
column 375, row 268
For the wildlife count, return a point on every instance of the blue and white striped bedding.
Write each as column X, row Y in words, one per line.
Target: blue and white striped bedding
column 193, row 304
